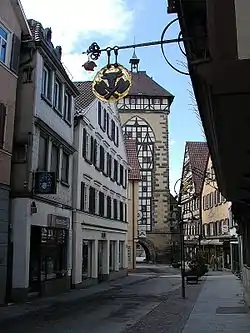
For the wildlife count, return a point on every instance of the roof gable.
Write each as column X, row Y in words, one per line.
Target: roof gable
column 198, row 156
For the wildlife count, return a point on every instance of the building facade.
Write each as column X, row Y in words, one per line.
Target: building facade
column 42, row 170
column 134, row 178
column 215, row 221
column 193, row 173
column 100, row 222
column 13, row 25
column 144, row 116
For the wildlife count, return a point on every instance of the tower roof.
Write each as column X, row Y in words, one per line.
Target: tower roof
column 134, row 173
column 144, row 85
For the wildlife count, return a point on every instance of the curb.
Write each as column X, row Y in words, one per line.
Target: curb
column 33, row 311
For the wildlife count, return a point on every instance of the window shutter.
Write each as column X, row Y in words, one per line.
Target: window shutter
column 84, row 139
column 99, row 108
column 2, row 123
column 95, row 153
column 15, row 54
column 92, row 150
column 125, row 217
column 82, row 196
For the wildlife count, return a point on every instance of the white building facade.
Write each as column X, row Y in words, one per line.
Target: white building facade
column 100, row 192
column 43, row 145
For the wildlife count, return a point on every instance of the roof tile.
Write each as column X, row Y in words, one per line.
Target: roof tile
column 86, row 96
column 198, row 156
column 134, row 173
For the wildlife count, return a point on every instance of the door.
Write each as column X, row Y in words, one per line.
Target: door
column 35, row 259
column 100, row 260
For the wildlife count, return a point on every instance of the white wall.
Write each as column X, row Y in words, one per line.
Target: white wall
column 22, row 221
column 45, row 112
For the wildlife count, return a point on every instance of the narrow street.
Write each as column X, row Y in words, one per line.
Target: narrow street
column 125, row 309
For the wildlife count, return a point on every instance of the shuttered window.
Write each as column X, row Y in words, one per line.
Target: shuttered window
column 102, row 158
column 121, row 211
column 115, row 209
column 84, row 139
column 82, row 196
column 99, row 110
column 108, row 207
column 15, row 54
column 2, row 123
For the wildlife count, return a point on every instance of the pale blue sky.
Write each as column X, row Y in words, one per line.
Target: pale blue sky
column 76, row 24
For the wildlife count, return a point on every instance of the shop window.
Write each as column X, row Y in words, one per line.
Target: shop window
column 112, row 256
column 115, row 209
column 92, row 200
column 53, row 249
column 86, row 259
column 121, row 254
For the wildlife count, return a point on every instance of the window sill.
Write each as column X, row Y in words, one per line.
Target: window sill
column 8, row 69
column 67, row 122
column 57, row 111
column 46, row 100
column 64, row 183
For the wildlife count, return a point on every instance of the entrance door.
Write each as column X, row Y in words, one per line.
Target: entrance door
column 35, row 259
column 100, row 260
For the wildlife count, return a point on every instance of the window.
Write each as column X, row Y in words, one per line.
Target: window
column 101, row 204
column 46, row 82
column 109, row 165
column 125, row 179
column 121, row 254
column 86, row 259
column 67, row 107
column 108, row 207
column 121, row 211
column 65, row 168
column 102, row 158
column 113, row 130
column 144, row 188
column 112, row 256
column 121, row 174
column 99, row 110
column 42, row 155
column 115, row 170
column 108, row 120
column 92, row 152
column 3, row 44
column 57, row 96
column 104, row 119
column 2, row 123
column 117, row 136
column 115, row 209
column 82, row 206
column 92, row 200
column 54, row 166
column 125, row 213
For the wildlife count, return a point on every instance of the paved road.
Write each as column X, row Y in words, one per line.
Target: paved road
column 114, row 311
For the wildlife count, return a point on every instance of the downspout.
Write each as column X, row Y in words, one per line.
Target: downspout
column 133, row 223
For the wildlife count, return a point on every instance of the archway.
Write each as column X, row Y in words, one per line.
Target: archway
column 148, row 248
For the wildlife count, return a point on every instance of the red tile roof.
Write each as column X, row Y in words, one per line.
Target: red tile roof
column 198, row 156
column 134, row 173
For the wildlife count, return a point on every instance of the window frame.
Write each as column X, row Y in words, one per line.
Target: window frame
column 6, row 61
column 57, row 105
column 46, row 91
column 65, row 181
column 45, row 159
column 58, row 159
column 67, row 109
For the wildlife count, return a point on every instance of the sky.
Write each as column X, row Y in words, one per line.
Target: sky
column 76, row 24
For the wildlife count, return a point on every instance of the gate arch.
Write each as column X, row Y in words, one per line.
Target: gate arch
column 149, row 249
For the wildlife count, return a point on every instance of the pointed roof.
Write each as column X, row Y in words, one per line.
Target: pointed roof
column 198, row 156
column 144, row 85
column 86, row 96
column 134, row 172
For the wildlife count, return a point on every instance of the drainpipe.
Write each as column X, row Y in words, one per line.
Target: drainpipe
column 133, row 223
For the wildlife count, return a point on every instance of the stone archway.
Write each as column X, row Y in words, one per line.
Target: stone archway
column 149, row 249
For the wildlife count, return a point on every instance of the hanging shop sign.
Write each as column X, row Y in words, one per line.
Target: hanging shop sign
column 112, row 83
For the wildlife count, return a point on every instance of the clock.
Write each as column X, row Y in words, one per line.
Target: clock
column 45, row 182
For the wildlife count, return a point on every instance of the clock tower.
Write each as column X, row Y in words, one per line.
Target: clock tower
column 144, row 116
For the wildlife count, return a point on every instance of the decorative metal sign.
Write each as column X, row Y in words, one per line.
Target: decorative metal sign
column 112, row 83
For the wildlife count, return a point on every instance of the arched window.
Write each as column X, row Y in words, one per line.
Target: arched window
column 139, row 130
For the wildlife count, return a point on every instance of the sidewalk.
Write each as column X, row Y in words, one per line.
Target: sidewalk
column 13, row 311
column 219, row 307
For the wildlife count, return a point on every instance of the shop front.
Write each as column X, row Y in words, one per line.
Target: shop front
column 48, row 257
